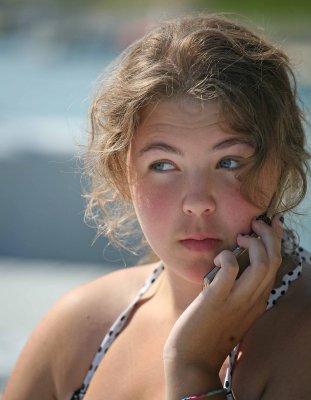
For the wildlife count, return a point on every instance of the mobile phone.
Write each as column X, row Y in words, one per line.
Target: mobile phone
column 241, row 255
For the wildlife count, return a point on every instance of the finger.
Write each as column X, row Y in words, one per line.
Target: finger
column 278, row 225
column 275, row 229
column 257, row 280
column 226, row 276
column 271, row 238
column 253, row 279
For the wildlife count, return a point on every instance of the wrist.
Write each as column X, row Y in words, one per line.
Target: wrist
column 218, row 392
column 186, row 379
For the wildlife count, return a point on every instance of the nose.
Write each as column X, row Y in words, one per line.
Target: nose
column 199, row 200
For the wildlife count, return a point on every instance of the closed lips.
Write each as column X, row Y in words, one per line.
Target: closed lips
column 200, row 245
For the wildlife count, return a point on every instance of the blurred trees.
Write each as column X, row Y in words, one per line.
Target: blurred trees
column 279, row 8
column 85, row 20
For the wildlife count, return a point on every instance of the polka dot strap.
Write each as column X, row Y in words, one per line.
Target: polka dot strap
column 291, row 247
column 113, row 333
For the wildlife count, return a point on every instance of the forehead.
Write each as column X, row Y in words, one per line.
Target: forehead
column 181, row 111
column 186, row 124
column 183, row 117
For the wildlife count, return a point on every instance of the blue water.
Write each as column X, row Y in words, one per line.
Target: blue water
column 51, row 86
column 45, row 93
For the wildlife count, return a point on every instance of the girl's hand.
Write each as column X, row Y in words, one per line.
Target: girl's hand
column 219, row 317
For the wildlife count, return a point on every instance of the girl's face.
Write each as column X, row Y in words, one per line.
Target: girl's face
column 182, row 173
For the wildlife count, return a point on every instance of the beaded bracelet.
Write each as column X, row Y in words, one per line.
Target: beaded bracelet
column 204, row 396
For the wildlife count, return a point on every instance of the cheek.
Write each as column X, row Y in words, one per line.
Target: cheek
column 239, row 211
column 153, row 205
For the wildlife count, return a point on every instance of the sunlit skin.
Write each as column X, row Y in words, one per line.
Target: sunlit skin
column 183, row 170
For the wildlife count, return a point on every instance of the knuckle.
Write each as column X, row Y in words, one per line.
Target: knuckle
column 261, row 307
column 278, row 233
column 277, row 260
column 227, row 253
column 280, row 230
column 263, row 265
column 227, row 258
column 256, row 241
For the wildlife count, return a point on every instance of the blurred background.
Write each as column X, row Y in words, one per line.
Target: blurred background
column 51, row 52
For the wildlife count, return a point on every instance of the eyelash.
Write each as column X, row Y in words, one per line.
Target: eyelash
column 229, row 159
column 154, row 165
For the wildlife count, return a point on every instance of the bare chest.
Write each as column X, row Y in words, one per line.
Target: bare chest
column 268, row 360
column 133, row 368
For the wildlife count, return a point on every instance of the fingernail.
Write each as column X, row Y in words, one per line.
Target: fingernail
column 281, row 220
column 243, row 235
column 264, row 218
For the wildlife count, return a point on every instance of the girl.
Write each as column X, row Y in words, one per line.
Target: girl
column 198, row 132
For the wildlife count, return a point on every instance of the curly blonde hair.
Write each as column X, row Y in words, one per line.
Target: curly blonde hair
column 205, row 58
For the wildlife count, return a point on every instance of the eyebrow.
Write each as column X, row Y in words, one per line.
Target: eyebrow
column 172, row 149
column 231, row 142
column 160, row 146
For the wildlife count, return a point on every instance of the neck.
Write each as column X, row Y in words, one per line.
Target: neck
column 178, row 292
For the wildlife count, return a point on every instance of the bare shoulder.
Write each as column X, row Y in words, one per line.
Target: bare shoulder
column 303, row 298
column 64, row 343
column 297, row 302
column 104, row 298
column 302, row 332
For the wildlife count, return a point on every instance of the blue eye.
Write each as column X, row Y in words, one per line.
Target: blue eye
column 162, row 166
column 228, row 163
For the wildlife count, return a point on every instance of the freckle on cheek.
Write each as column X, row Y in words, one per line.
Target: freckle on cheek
column 153, row 204
column 160, row 207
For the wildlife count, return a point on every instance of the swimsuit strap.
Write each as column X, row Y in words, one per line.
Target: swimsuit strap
column 114, row 331
column 291, row 247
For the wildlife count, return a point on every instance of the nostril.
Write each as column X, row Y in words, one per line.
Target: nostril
column 199, row 210
column 198, row 203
